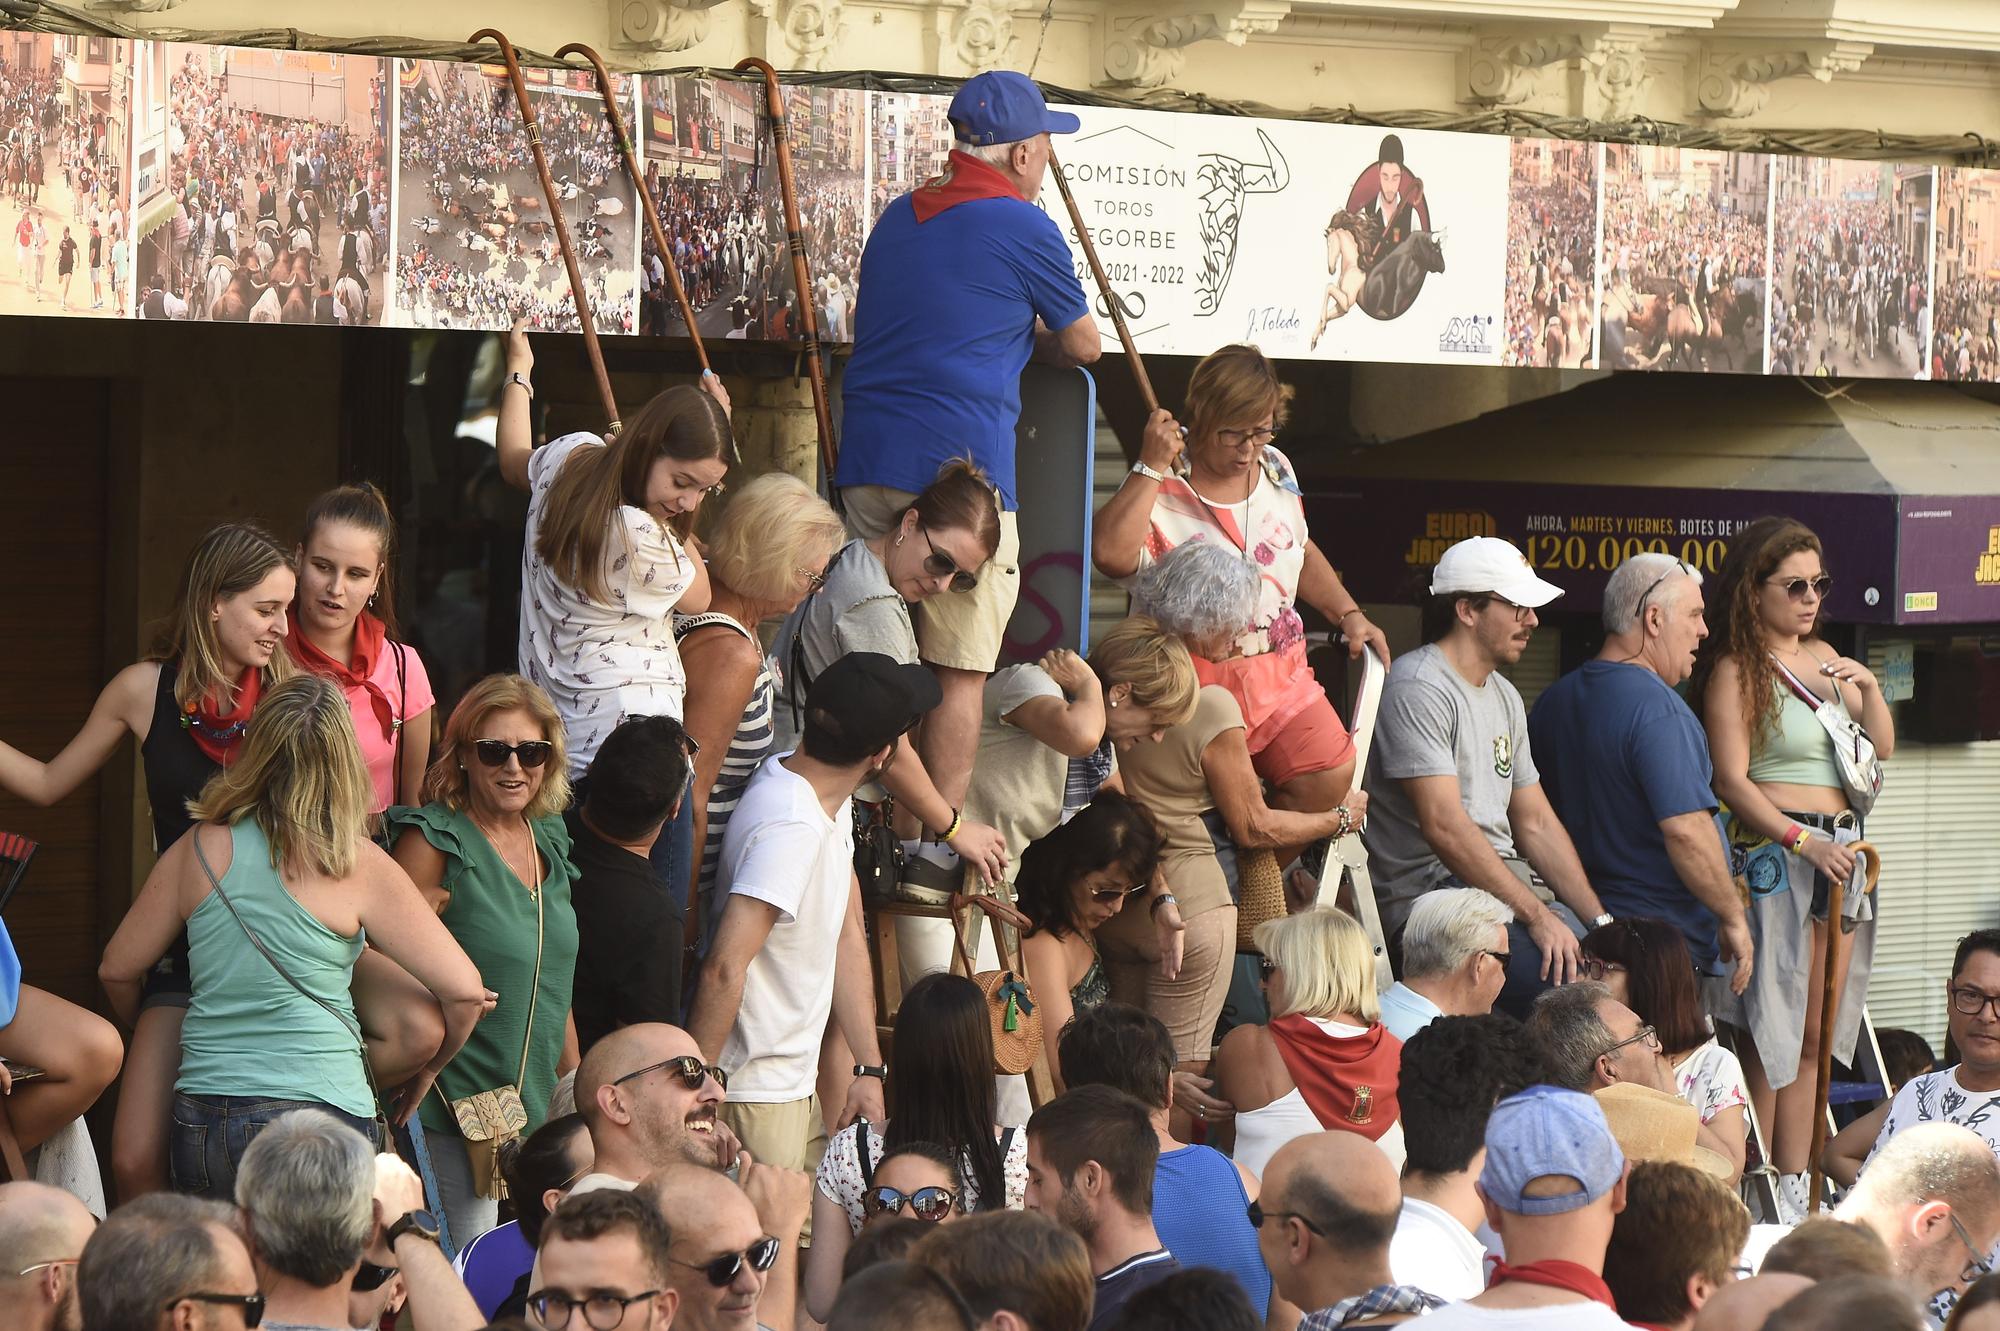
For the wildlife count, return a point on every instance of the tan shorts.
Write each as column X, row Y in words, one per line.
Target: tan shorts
column 790, row 1134
column 959, row 630
column 1188, row 1005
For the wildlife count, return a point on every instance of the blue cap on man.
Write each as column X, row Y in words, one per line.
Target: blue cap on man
column 1546, row 1132
column 1001, row 106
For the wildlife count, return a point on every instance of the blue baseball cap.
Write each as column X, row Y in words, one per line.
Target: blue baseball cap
column 1001, row 106
column 1547, row 1132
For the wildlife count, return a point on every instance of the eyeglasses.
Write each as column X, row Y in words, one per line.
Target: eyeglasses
column 1645, row 1035
column 932, row 1203
column 1796, row 587
column 1972, row 1002
column 495, row 752
column 371, row 1277
column 43, row 1266
column 1504, row 958
column 1258, row 1215
column 250, row 1305
column 941, row 566
column 1978, row 1266
column 1521, row 612
column 1266, row 967
column 814, row 579
column 1639, row 610
column 721, row 1271
column 1263, row 434
column 1596, row 968
column 1104, row 896
column 602, row 1311
column 691, row 1070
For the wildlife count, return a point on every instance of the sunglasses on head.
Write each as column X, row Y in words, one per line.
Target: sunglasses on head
column 495, row 752
column 721, row 1271
column 932, row 1203
column 691, row 1070
column 940, row 565
column 1796, row 587
column 371, row 1277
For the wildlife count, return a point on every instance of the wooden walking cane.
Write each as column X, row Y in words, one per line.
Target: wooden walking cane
column 1824, row 1088
column 576, row 290
column 774, row 99
column 630, row 157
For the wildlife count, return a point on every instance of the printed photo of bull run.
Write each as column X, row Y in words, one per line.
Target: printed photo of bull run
column 279, row 163
column 910, row 141
column 475, row 246
column 1968, row 275
column 709, row 165
column 1850, row 261
column 1685, row 240
column 63, row 191
column 1551, row 253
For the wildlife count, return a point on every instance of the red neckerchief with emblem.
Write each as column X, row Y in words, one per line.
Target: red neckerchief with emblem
column 1348, row 1081
column 964, row 179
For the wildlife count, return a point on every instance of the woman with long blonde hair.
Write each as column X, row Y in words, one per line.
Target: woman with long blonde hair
column 276, row 887
column 219, row 651
column 607, row 562
column 490, row 853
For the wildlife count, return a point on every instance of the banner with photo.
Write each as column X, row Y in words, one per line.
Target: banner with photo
column 169, row 180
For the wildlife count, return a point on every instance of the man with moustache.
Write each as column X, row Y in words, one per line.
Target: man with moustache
column 649, row 1100
column 1456, row 798
column 1627, row 768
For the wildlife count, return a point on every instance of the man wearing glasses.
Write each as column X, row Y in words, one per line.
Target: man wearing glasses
column 1627, row 767
column 1932, row 1193
column 42, row 1233
column 650, row 1100
column 169, row 1262
column 603, row 1265
column 1457, row 801
column 730, row 1272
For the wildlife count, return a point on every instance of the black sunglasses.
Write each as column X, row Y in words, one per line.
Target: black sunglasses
column 1104, row 896
column 371, row 1277
column 940, row 565
column 932, row 1203
column 495, row 752
column 721, row 1271
column 1796, row 587
column 1258, row 1215
column 250, row 1305
column 691, row 1070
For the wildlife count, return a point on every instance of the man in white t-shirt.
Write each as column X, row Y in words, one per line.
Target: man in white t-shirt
column 1453, row 1072
column 1552, row 1184
column 789, row 951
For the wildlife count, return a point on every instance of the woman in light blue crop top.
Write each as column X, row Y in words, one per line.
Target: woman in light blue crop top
column 1788, row 817
column 279, row 872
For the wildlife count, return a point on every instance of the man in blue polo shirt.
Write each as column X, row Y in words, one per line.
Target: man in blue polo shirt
column 1627, row 769
column 963, row 281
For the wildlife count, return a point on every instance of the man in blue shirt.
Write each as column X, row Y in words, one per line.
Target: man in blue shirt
column 963, row 281
column 1627, row 768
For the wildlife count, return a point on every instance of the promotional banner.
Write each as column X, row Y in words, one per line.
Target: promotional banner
column 164, row 180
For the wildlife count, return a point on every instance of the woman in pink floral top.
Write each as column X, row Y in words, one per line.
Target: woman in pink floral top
column 1241, row 492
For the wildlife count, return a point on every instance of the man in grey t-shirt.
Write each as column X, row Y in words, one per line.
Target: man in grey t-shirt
column 1455, row 800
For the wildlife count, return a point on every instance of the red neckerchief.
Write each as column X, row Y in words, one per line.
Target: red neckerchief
column 369, row 639
column 1348, row 1081
column 964, row 179
column 1556, row 1274
column 220, row 734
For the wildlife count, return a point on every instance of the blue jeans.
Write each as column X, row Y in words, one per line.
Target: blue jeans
column 211, row 1132
column 673, row 854
column 1524, row 964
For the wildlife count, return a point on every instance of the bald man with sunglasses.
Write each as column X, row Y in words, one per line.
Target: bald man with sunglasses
column 729, row 1270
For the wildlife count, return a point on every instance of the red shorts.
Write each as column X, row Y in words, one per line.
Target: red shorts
column 1313, row 741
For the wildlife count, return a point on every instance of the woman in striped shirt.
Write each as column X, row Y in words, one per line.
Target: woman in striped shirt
column 767, row 552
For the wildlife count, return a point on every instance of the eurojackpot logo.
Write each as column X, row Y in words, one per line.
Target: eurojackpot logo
column 1444, row 529
column 1987, row 572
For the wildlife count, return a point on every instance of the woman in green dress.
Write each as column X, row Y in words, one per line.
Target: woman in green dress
column 491, row 855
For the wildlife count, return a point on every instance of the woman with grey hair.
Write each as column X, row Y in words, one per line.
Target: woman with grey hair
column 1202, row 786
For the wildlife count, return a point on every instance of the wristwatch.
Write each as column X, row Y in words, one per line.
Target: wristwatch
column 516, row 377
column 879, row 1071
column 1600, row 921
column 421, row 1223
column 1164, row 899
column 1150, row 473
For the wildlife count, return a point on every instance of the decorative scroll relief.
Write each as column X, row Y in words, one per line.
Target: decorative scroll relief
column 968, row 39
column 1733, row 83
column 796, row 34
column 1144, row 50
column 661, row 25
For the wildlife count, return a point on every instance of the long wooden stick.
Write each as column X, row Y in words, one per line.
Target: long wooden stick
column 638, row 176
column 1111, row 300
column 576, row 289
column 1835, row 912
column 774, row 97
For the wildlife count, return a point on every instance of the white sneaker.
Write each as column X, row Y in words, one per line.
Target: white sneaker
column 1794, row 1195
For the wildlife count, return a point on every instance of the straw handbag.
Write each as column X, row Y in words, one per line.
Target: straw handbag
column 1010, row 1006
column 1260, row 894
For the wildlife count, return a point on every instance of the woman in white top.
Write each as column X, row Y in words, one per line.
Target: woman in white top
column 1325, row 1061
column 604, row 565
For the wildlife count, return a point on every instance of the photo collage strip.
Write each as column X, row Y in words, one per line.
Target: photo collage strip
column 162, row 180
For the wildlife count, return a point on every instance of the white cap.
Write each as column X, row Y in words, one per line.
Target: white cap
column 1489, row 564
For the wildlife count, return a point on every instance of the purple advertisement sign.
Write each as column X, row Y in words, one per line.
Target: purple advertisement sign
column 1382, row 535
column 1948, row 559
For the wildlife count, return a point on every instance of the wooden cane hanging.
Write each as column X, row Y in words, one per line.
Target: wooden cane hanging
column 630, row 157
column 774, row 98
column 554, row 204
column 1865, row 852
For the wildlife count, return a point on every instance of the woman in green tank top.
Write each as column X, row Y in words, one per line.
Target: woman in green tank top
column 276, row 886
column 490, row 853
column 1789, row 819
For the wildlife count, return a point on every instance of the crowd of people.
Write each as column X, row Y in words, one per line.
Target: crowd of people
column 42, row 140
column 1968, row 328
column 593, row 952
column 1684, row 280
column 488, row 254
column 1852, row 295
column 1552, row 234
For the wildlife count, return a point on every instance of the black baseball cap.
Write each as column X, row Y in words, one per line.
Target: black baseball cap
column 871, row 699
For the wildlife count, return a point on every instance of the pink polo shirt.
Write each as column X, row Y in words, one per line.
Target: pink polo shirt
column 409, row 700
